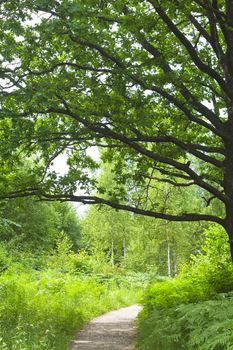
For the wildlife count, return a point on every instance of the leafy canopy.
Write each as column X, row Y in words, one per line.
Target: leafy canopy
column 148, row 82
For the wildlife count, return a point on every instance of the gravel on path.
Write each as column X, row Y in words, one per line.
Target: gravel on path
column 112, row 331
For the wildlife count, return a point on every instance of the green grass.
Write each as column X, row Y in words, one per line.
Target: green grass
column 42, row 311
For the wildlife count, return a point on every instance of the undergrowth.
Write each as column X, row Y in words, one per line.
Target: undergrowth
column 42, row 311
column 45, row 299
column 193, row 311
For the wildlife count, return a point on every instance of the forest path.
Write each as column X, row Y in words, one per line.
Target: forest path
column 112, row 331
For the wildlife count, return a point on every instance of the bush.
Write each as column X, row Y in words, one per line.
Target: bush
column 5, row 259
column 174, row 292
column 201, row 326
column 193, row 311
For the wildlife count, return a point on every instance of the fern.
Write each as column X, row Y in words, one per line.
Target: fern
column 191, row 312
column 206, row 325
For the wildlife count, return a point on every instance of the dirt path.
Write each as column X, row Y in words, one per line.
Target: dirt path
column 112, row 331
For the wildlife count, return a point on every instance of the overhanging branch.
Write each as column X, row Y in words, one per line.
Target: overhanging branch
column 91, row 200
column 190, row 49
column 113, row 135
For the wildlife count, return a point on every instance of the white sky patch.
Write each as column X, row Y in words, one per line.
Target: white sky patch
column 60, row 163
column 94, row 153
column 60, row 167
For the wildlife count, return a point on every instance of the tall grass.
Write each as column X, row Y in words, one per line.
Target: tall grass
column 42, row 311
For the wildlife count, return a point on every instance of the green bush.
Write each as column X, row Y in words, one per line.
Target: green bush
column 63, row 259
column 202, row 326
column 5, row 259
column 193, row 311
column 176, row 291
column 209, row 272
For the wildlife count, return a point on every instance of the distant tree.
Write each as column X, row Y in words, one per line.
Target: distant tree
column 141, row 243
column 33, row 225
column 150, row 81
column 69, row 223
column 26, row 224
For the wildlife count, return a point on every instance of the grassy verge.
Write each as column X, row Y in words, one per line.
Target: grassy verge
column 43, row 310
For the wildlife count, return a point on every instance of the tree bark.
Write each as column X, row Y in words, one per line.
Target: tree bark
column 174, row 258
column 168, row 258
column 228, row 187
column 229, row 228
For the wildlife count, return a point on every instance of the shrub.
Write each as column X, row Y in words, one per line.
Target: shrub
column 202, row 326
column 192, row 311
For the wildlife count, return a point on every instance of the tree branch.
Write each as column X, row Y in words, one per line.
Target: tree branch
column 179, row 104
column 186, row 217
column 173, row 183
column 185, row 146
column 69, row 64
column 186, row 93
column 108, row 133
column 190, row 49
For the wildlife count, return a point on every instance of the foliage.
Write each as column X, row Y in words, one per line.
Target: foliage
column 201, row 326
column 42, row 311
column 63, row 259
column 208, row 273
column 177, row 291
column 195, row 309
column 140, row 243
column 148, row 82
column 62, row 254
column 69, row 223
column 33, row 226
column 5, row 258
column 46, row 298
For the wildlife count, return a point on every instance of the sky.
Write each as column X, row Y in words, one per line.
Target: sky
column 61, row 167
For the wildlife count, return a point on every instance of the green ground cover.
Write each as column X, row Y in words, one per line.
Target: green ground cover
column 43, row 310
column 45, row 298
column 193, row 311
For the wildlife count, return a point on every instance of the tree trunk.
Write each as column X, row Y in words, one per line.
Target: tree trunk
column 229, row 227
column 228, row 188
column 174, row 258
column 168, row 258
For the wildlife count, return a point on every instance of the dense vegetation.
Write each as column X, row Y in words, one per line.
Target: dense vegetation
column 147, row 82
column 125, row 105
column 193, row 311
column 49, row 286
column 58, row 270
column 43, row 311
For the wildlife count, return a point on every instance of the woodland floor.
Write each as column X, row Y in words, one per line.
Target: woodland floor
column 112, row 331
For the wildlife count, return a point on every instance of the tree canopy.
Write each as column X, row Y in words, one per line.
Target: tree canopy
column 148, row 82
